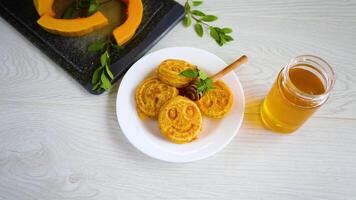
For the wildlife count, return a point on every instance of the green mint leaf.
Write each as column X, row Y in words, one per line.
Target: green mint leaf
column 227, row 30
column 228, row 38
column 209, row 81
column 202, row 75
column 108, row 57
column 96, row 75
column 187, row 7
column 219, row 30
column 93, row 7
column 197, row 3
column 105, row 82
column 108, row 71
column 189, row 73
column 201, row 87
column 218, row 34
column 199, row 29
column 222, row 40
column 96, row 86
column 96, row 46
column 214, row 34
column 209, row 18
column 209, row 84
column 187, row 21
column 103, row 59
column 205, row 85
column 198, row 13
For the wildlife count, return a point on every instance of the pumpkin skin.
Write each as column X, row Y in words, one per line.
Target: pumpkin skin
column 73, row 27
column 126, row 31
column 44, row 7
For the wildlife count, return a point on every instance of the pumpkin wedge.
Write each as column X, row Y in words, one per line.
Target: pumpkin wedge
column 44, row 7
column 73, row 27
column 126, row 31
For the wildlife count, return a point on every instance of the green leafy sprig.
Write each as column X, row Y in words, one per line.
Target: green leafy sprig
column 78, row 7
column 204, row 82
column 220, row 35
column 102, row 76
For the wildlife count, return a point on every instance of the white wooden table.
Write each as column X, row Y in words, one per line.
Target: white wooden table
column 59, row 142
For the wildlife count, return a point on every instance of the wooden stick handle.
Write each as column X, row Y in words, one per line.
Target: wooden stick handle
column 243, row 59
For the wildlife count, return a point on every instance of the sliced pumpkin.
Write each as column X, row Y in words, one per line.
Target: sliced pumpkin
column 44, row 7
column 73, row 27
column 126, row 31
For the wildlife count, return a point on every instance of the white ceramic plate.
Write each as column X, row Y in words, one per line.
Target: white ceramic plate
column 145, row 135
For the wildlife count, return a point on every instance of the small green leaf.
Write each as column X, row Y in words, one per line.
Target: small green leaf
column 103, row 59
column 197, row 3
column 108, row 57
column 208, row 81
column 189, row 73
column 187, row 7
column 198, row 13
column 214, row 34
column 209, row 18
column 199, row 29
column 201, row 86
column 202, row 75
column 205, row 85
column 219, row 30
column 108, row 71
column 96, row 46
column 227, row 30
column 105, row 82
column 96, row 75
column 96, row 86
column 222, row 40
column 228, row 38
column 93, row 7
column 187, row 21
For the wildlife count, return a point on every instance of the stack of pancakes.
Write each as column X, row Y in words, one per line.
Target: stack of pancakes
column 179, row 118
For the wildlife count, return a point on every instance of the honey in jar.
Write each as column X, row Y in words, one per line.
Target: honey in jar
column 300, row 89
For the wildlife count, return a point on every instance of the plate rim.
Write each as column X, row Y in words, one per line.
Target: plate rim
column 211, row 153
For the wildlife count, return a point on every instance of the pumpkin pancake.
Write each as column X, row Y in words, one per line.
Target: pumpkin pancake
column 168, row 72
column 216, row 102
column 180, row 120
column 151, row 94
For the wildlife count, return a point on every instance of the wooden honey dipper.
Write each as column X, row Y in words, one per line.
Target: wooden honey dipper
column 191, row 90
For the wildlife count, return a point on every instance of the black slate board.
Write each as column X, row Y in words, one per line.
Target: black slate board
column 70, row 52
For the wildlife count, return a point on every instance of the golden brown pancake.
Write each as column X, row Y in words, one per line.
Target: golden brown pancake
column 151, row 94
column 168, row 72
column 216, row 102
column 180, row 120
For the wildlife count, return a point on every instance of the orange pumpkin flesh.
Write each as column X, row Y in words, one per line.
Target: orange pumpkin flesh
column 44, row 7
column 126, row 31
column 73, row 27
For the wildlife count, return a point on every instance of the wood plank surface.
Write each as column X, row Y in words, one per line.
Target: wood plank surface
column 59, row 142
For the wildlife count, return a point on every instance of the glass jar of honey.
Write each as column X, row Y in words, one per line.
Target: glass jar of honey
column 300, row 89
